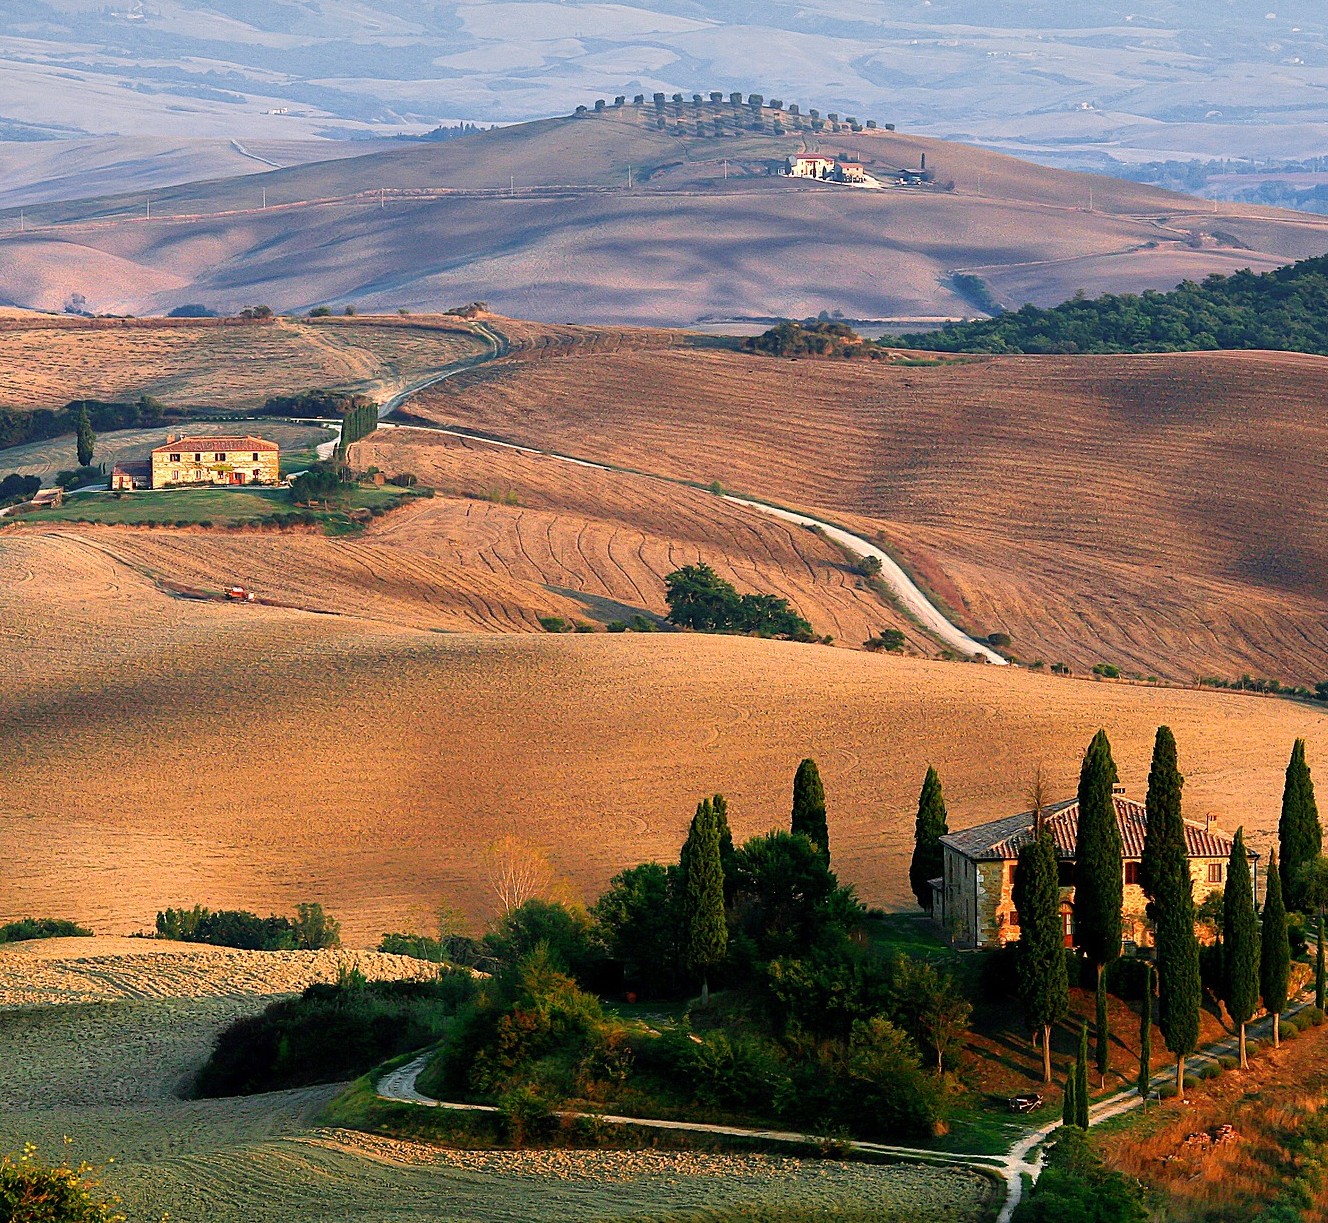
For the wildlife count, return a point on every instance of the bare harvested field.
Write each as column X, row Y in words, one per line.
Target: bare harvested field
column 163, row 751
column 46, row 363
column 1155, row 512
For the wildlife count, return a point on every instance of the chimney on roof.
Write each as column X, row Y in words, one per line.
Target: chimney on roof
column 170, row 437
column 1210, row 821
column 1118, row 790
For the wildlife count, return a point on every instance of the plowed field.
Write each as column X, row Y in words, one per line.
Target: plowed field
column 1153, row 512
column 46, row 363
column 164, row 751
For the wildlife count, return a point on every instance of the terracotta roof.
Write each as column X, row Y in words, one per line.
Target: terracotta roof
column 214, row 444
column 133, row 469
column 1002, row 839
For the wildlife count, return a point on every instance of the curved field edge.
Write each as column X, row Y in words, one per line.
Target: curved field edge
column 360, row 1107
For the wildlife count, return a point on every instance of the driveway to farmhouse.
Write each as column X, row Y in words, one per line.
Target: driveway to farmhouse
column 1023, row 1159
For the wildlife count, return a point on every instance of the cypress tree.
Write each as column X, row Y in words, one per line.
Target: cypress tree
column 1320, row 983
column 931, row 825
column 1164, row 858
column 1146, row 1032
column 86, row 439
column 705, row 933
column 1275, row 952
column 1165, row 874
column 809, row 807
column 1103, row 1031
column 1099, row 883
column 727, row 853
column 1240, row 951
column 1069, row 1109
column 1044, row 986
column 1299, row 835
column 1081, row 1096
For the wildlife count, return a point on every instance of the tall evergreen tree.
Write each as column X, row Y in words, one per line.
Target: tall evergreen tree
column 1315, row 881
column 1044, row 986
column 809, row 807
column 1146, row 1032
column 1299, row 835
column 705, row 933
column 1240, row 948
column 931, row 825
column 1164, row 858
column 1099, row 880
column 727, row 854
column 1165, row 875
column 1275, row 951
column 1069, row 1109
column 86, row 439
column 1081, row 1097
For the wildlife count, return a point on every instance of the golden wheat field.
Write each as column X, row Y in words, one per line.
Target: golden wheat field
column 48, row 362
column 162, row 751
column 1153, row 512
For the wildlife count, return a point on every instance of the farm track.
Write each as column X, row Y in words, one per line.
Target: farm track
column 1143, row 511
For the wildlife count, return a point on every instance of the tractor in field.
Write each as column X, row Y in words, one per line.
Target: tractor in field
column 239, row 594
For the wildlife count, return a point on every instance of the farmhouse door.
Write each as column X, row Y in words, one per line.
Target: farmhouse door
column 1067, row 924
column 237, row 477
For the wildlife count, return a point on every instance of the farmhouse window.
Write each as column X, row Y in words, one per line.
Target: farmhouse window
column 1132, row 873
column 175, row 458
column 175, row 477
column 221, row 456
column 1215, row 872
column 198, row 458
column 255, row 456
column 1010, row 871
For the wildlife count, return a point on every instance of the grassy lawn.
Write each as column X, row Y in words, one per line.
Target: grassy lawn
column 221, row 507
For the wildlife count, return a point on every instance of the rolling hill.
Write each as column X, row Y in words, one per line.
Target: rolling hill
column 538, row 220
column 367, row 764
column 1153, row 512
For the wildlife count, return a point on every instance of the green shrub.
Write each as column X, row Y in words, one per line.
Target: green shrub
column 616, row 626
column 1288, row 1031
column 41, row 927
column 331, row 1032
column 34, row 1192
column 311, row 930
column 1076, row 1187
column 1168, row 1090
column 1191, row 1081
column 554, row 624
column 699, row 599
column 1252, row 1047
column 1227, row 1062
column 1314, row 1015
column 1207, row 1070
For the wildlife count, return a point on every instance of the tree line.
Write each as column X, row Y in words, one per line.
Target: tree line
column 18, row 427
column 1286, row 308
column 310, row 930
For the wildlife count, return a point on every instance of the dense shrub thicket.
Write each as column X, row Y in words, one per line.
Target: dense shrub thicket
column 322, row 482
column 15, row 487
column 311, row 929
column 700, row 599
column 1076, row 1187
column 1286, row 308
column 41, row 927
column 330, row 1032
column 820, row 339
column 459, row 948
column 307, row 405
column 18, row 427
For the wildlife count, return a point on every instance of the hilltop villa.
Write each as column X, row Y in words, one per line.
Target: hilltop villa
column 973, row 897
column 203, row 460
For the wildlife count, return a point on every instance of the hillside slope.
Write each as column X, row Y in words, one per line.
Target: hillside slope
column 1156, row 512
column 705, row 231
column 367, row 766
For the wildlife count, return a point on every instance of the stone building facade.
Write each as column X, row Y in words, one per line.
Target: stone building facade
column 974, row 897
column 216, row 460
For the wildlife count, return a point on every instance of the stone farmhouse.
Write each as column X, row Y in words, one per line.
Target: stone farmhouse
column 825, row 169
column 203, row 460
column 973, row 898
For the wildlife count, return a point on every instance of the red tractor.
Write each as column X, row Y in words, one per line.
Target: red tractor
column 238, row 594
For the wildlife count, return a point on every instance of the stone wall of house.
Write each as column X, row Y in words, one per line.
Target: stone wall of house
column 266, row 469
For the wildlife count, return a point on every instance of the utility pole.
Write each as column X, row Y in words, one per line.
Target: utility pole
column 726, row 169
column 511, row 189
column 265, row 198
column 382, row 199
column 629, row 178
column 149, row 208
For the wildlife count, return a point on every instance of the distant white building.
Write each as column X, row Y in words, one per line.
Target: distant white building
column 809, row 167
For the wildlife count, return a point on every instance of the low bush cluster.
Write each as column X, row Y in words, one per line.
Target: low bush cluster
column 15, row 488
column 811, row 339
column 1076, row 1187
column 330, row 1032
column 310, row 930
column 41, row 927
